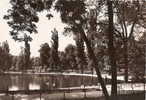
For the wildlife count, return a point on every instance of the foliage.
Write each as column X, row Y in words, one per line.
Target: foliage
column 71, row 10
column 22, row 18
column 64, row 62
column 35, row 63
column 45, row 54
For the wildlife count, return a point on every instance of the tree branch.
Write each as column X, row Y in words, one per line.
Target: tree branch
column 132, row 29
column 119, row 33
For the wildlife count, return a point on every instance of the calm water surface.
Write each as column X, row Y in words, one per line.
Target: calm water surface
column 33, row 81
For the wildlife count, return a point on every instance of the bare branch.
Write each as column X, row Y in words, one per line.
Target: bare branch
column 119, row 33
column 132, row 29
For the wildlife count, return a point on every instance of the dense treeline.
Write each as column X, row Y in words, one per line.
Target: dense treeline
column 74, row 57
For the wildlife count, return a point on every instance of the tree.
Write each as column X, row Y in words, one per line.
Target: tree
column 112, row 50
column 45, row 54
column 80, row 53
column 5, row 57
column 35, row 63
column 97, row 33
column 70, row 51
column 22, row 18
column 14, row 63
column 127, row 21
column 54, row 50
column 81, row 58
column 73, row 13
column 137, row 59
column 27, row 52
column 21, row 60
column 64, row 63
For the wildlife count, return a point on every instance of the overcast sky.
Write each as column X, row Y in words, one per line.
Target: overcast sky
column 44, row 34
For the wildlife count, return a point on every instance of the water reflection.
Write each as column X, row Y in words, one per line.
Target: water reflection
column 13, row 88
column 31, row 82
column 33, row 86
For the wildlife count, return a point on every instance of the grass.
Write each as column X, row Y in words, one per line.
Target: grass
column 72, row 96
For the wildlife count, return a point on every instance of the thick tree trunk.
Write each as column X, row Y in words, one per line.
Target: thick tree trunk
column 93, row 58
column 112, row 51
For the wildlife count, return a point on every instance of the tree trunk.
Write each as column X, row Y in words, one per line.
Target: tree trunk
column 111, row 50
column 27, row 55
column 93, row 58
column 126, row 61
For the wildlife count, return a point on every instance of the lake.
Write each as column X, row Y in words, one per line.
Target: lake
column 43, row 81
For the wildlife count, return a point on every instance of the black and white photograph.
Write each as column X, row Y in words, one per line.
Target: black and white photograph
column 72, row 49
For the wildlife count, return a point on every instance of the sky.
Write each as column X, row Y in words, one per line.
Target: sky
column 44, row 32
